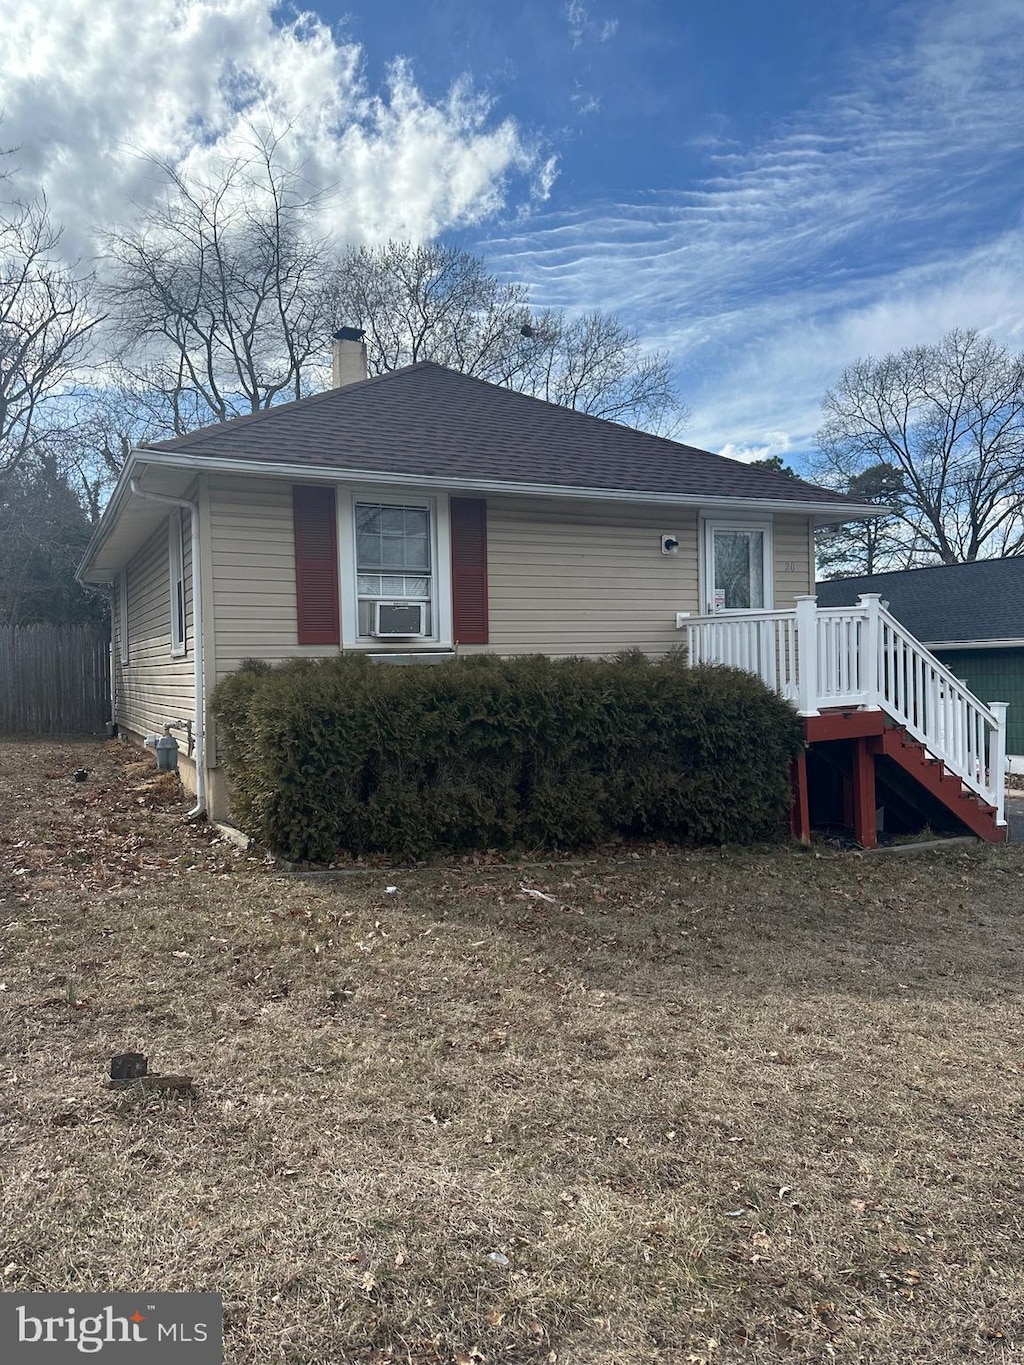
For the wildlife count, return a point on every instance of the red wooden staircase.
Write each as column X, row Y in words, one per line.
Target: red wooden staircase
column 883, row 717
column 932, row 774
column 858, row 746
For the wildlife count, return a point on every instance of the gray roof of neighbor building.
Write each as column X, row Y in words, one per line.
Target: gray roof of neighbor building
column 947, row 602
column 432, row 422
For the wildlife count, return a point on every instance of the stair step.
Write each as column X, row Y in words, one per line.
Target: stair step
column 929, row 772
column 946, row 786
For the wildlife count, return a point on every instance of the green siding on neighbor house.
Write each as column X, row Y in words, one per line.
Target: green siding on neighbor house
column 993, row 675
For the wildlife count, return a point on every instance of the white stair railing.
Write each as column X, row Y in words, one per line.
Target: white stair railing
column 822, row 657
column 759, row 642
column 935, row 707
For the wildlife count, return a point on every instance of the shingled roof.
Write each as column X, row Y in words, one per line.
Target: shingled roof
column 432, row 422
column 947, row 603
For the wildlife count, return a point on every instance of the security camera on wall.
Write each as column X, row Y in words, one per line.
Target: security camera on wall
column 669, row 545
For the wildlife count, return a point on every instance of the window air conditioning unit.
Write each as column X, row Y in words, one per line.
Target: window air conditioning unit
column 399, row 619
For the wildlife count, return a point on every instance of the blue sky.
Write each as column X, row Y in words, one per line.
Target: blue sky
column 765, row 191
column 625, row 94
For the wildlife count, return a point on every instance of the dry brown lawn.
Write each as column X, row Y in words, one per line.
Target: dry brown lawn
column 726, row 1106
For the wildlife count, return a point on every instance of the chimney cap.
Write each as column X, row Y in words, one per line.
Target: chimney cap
column 348, row 334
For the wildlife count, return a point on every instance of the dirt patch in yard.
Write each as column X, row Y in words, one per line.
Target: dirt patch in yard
column 747, row 1106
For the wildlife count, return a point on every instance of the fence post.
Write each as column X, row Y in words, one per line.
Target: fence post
column 997, row 758
column 807, row 655
column 872, row 604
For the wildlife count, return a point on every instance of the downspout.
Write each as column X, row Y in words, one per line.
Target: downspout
column 114, row 646
column 198, row 648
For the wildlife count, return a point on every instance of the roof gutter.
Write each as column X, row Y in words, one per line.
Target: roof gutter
column 199, row 689
column 333, row 474
column 973, row 644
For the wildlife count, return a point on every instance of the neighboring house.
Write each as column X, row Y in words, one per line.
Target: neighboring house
column 971, row 616
column 424, row 512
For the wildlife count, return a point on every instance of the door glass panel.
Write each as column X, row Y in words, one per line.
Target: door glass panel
column 738, row 570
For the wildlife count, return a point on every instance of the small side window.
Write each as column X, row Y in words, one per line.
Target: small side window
column 122, row 616
column 177, row 562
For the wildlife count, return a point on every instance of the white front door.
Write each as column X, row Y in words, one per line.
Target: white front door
column 737, row 567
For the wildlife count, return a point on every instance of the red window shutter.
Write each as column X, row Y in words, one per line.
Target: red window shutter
column 468, row 518
column 316, row 565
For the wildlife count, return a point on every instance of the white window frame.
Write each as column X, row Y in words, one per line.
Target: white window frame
column 122, row 615
column 440, row 579
column 713, row 523
column 176, row 559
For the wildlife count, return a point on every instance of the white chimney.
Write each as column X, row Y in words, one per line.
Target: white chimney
column 348, row 357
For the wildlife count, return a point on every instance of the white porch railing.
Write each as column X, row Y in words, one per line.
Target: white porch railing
column 821, row 657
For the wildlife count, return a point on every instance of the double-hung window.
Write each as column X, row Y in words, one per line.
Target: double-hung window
column 394, row 570
column 176, row 557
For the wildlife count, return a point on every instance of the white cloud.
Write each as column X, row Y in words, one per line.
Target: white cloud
column 583, row 28
column 576, row 17
column 544, row 178
column 812, row 337
column 880, row 218
column 584, row 101
column 775, row 443
column 91, row 88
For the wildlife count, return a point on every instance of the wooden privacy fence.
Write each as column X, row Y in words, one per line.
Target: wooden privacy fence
column 54, row 679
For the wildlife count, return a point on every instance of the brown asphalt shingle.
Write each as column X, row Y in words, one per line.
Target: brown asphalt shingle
column 437, row 423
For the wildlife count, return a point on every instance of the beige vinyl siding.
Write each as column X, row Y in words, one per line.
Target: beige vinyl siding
column 579, row 578
column 564, row 576
column 793, row 566
column 252, row 556
column 152, row 687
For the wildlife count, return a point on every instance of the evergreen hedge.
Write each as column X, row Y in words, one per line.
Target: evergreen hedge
column 343, row 754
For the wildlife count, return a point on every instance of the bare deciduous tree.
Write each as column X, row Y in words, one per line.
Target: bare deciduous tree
column 950, row 419
column 440, row 303
column 222, row 294
column 433, row 302
column 225, row 295
column 46, row 326
column 595, row 364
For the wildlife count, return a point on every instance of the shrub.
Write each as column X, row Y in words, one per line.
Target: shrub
column 325, row 755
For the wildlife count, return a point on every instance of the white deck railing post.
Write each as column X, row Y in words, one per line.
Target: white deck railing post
column 871, row 641
column 807, row 655
column 997, row 759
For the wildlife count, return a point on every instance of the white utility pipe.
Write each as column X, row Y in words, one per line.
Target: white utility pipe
column 197, row 632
